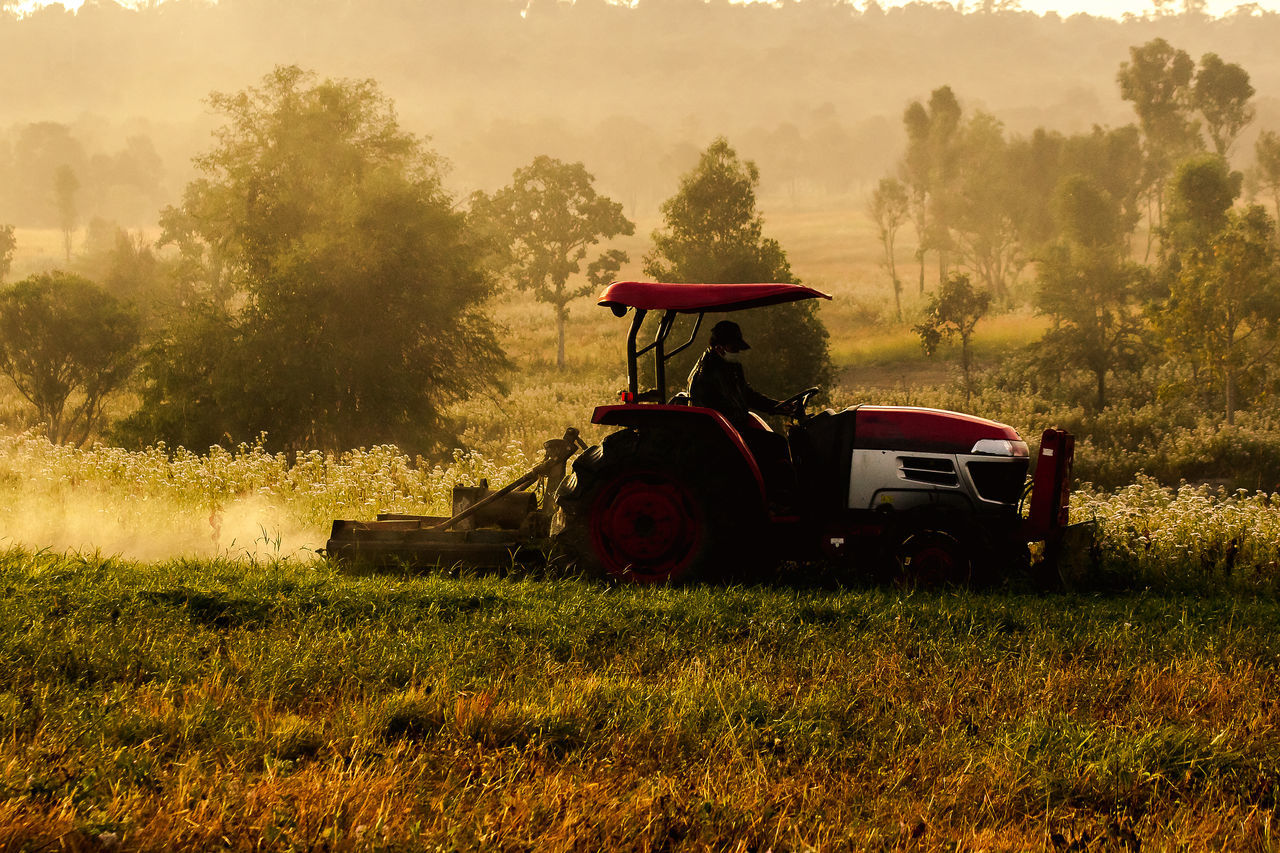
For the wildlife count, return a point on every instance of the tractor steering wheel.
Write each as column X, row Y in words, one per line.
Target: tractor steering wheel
column 794, row 405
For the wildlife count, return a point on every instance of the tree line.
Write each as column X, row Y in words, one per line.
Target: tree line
column 1133, row 238
column 318, row 280
column 318, row 283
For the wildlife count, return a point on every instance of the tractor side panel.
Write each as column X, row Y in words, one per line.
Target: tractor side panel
column 887, row 480
column 708, row 424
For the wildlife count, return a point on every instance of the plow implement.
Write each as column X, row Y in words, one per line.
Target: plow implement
column 488, row 528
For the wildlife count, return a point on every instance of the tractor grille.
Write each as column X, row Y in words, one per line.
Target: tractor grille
column 938, row 472
column 999, row 481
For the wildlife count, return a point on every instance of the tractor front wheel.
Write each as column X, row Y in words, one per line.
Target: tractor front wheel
column 932, row 557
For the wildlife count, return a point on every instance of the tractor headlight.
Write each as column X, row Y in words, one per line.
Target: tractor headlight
column 999, row 447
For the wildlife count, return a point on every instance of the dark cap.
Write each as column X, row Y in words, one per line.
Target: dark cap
column 726, row 333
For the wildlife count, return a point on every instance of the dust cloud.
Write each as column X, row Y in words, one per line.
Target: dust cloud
column 92, row 520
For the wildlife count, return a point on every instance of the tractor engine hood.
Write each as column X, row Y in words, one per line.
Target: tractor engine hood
column 906, row 428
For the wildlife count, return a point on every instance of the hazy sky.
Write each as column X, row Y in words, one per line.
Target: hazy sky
column 1109, row 8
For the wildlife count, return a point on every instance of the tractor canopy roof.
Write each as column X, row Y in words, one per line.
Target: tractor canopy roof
column 697, row 298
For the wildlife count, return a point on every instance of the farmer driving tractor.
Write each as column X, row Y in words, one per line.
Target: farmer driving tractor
column 719, row 382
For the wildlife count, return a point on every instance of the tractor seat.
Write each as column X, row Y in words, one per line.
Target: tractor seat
column 680, row 398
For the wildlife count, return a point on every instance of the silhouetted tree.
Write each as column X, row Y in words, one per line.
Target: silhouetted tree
column 1088, row 288
column 983, row 208
column 66, row 344
column 1267, row 151
column 954, row 312
column 65, row 185
column 548, row 219
column 889, row 207
column 929, row 168
column 714, row 234
column 128, row 269
column 1158, row 80
column 1201, row 192
column 1221, row 93
column 1224, row 303
column 335, row 293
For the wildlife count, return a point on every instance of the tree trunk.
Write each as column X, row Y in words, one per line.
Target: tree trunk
column 1102, row 388
column 1229, row 375
column 920, row 257
column 562, row 314
column 1275, row 194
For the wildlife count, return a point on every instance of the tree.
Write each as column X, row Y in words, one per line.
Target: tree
column 1200, row 194
column 1224, row 304
column 929, row 169
column 66, row 344
column 715, row 235
column 334, row 293
column 1088, row 289
column 8, row 244
column 1158, row 80
column 982, row 212
column 889, row 207
column 954, row 311
column 551, row 217
column 65, row 185
column 1267, row 150
column 1221, row 93
column 127, row 268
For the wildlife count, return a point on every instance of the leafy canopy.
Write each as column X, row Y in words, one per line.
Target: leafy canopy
column 954, row 312
column 333, row 292
column 1088, row 288
column 66, row 344
column 1223, row 309
column 713, row 234
column 547, row 220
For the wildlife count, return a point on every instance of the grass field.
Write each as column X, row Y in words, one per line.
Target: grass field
column 241, row 705
column 178, row 670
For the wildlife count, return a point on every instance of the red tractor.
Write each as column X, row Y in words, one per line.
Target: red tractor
column 676, row 493
column 933, row 496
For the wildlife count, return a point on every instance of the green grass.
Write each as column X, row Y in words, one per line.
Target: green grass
column 231, row 704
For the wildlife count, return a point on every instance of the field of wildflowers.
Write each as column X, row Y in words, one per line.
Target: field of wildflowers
column 160, row 503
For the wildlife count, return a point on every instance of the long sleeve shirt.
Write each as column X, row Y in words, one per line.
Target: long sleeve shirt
column 722, row 385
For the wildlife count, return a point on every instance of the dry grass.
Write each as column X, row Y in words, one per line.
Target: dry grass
column 241, row 706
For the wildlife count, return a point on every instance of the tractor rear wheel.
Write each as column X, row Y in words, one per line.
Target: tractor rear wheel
column 635, row 512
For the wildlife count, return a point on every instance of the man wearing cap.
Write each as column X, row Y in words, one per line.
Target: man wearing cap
column 718, row 382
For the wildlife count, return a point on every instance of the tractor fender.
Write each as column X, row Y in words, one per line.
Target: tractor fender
column 687, row 420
